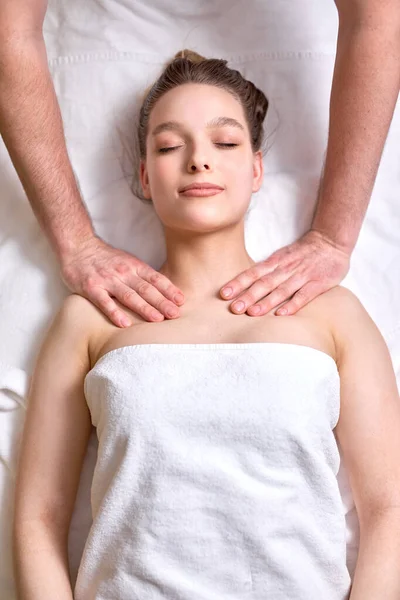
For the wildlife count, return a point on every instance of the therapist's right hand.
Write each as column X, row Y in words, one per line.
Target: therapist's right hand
column 100, row 273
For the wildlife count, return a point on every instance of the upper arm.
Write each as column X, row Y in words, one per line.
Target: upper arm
column 368, row 430
column 20, row 18
column 57, row 424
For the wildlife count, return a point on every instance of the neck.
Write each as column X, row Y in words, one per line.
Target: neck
column 200, row 264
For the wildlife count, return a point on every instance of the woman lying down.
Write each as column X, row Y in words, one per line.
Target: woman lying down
column 218, row 433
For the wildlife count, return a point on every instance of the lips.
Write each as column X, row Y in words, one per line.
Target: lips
column 201, row 186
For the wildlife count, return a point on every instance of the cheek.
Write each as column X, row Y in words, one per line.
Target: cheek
column 162, row 173
column 240, row 185
column 240, row 170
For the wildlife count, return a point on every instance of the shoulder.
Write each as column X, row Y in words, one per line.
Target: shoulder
column 338, row 303
column 81, row 323
column 68, row 336
column 341, row 313
column 333, row 308
column 77, row 322
column 352, row 327
column 77, row 311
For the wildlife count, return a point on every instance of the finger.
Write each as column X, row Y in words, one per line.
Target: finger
column 147, row 292
column 306, row 294
column 246, row 279
column 261, row 288
column 137, row 301
column 162, row 284
column 101, row 298
column 282, row 292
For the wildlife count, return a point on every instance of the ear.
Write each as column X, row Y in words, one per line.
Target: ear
column 144, row 180
column 258, row 171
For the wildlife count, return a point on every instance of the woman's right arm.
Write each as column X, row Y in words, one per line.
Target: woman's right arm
column 55, row 437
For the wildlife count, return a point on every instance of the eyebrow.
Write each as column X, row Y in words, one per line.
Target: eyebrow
column 215, row 123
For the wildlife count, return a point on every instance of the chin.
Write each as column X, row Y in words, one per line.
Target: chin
column 204, row 225
column 201, row 219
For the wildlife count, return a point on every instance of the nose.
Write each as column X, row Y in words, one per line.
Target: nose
column 198, row 162
column 194, row 167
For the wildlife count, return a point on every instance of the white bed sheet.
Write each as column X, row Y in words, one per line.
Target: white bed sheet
column 102, row 54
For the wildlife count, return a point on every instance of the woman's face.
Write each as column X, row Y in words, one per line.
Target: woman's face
column 198, row 133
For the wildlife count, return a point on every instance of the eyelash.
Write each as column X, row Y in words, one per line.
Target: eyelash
column 166, row 150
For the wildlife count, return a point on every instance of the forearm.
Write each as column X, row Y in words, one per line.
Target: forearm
column 377, row 573
column 364, row 92
column 31, row 126
column 40, row 564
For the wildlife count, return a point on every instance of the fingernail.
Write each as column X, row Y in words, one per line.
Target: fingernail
column 239, row 306
column 156, row 316
column 255, row 309
column 172, row 312
column 226, row 292
column 125, row 322
column 281, row 311
column 178, row 298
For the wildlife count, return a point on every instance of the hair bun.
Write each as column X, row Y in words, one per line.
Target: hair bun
column 189, row 55
column 261, row 108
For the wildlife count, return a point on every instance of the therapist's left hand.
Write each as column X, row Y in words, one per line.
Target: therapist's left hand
column 297, row 274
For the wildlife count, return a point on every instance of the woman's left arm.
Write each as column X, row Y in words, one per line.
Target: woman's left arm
column 368, row 432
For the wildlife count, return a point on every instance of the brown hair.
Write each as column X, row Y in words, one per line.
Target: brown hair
column 189, row 67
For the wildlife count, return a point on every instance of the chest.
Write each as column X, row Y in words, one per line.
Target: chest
column 209, row 324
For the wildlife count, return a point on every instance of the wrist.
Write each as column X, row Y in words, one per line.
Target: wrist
column 339, row 225
column 69, row 243
column 328, row 236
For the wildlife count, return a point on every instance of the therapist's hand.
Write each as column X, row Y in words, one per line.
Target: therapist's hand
column 100, row 272
column 297, row 274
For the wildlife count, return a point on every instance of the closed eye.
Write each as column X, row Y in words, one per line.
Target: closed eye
column 165, row 150
column 219, row 144
column 227, row 145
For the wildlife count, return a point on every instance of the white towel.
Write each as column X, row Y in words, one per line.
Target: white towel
column 216, row 475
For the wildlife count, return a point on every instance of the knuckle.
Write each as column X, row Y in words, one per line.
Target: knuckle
column 142, row 308
column 275, row 298
column 143, row 288
column 266, row 278
column 171, row 291
column 91, row 283
column 255, row 272
column 129, row 297
column 247, row 298
column 297, row 302
column 112, row 312
column 122, row 268
column 267, row 302
column 107, row 306
column 300, row 296
column 165, row 305
column 144, row 270
column 283, row 292
column 291, row 307
column 243, row 279
column 155, row 278
column 147, row 311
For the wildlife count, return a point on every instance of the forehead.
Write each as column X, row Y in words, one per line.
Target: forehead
column 197, row 105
